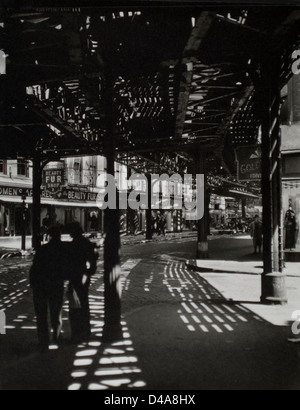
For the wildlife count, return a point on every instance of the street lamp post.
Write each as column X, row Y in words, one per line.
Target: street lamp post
column 24, row 219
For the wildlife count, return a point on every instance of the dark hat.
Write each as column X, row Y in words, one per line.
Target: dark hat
column 54, row 232
column 74, row 229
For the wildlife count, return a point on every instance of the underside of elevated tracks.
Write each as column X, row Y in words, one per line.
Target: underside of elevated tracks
column 161, row 89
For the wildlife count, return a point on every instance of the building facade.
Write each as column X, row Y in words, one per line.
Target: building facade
column 291, row 166
column 69, row 193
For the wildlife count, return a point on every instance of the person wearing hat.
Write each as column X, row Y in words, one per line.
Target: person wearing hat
column 47, row 284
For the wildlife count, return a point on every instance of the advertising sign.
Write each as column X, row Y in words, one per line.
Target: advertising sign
column 249, row 163
column 54, row 180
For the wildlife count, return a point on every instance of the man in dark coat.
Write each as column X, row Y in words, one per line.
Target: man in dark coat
column 257, row 234
column 46, row 281
column 81, row 266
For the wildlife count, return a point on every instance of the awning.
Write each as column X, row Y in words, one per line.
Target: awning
column 65, row 204
column 242, row 194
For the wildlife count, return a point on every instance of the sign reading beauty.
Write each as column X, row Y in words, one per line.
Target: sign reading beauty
column 54, row 180
column 249, row 163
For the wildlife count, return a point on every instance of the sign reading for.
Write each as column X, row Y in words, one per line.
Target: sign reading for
column 54, row 180
column 249, row 163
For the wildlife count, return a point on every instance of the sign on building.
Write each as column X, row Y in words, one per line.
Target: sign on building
column 232, row 204
column 54, row 180
column 2, row 323
column 249, row 163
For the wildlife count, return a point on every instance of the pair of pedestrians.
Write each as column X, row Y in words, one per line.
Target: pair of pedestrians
column 54, row 264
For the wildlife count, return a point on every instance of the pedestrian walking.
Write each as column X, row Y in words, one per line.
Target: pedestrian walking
column 82, row 264
column 290, row 226
column 256, row 234
column 163, row 224
column 46, row 281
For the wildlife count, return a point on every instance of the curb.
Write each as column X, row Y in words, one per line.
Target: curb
column 203, row 269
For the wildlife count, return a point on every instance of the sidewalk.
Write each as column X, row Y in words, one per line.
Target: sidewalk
column 236, row 257
column 13, row 244
column 292, row 269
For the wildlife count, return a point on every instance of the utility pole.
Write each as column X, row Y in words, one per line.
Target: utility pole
column 36, row 202
column 24, row 222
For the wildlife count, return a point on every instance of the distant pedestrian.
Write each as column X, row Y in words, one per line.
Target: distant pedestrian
column 82, row 264
column 290, row 226
column 46, row 225
column 257, row 234
column 46, row 281
column 163, row 224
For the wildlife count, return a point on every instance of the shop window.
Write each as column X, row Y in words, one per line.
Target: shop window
column 291, row 166
column 3, row 167
column 23, row 168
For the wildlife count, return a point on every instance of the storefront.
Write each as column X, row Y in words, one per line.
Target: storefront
column 291, row 200
column 72, row 205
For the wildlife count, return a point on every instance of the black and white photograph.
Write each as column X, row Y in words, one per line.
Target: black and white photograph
column 149, row 198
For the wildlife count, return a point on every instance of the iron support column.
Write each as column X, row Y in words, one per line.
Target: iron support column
column 36, row 203
column 149, row 227
column 112, row 269
column 273, row 279
column 202, row 245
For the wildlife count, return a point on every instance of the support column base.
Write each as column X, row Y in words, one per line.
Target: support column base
column 112, row 333
column 202, row 250
column 274, row 289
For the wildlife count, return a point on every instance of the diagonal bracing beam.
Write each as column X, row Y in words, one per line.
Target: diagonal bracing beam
column 199, row 32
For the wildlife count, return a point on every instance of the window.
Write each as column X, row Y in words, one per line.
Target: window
column 291, row 166
column 3, row 167
column 23, row 168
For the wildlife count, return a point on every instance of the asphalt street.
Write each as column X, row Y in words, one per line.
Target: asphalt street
column 179, row 331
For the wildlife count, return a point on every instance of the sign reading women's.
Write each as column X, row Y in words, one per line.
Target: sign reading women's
column 249, row 163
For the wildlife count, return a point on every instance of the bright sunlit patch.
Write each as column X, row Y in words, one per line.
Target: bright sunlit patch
column 109, row 372
column 196, row 319
column 184, row 319
column 184, row 305
column 208, row 320
column 217, row 328
column 116, row 383
column 114, row 351
column 137, row 385
column 230, row 319
column 126, row 359
column 28, row 327
column 83, row 362
column 94, row 344
column 74, row 386
column 97, row 386
column 86, row 353
column 78, row 374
